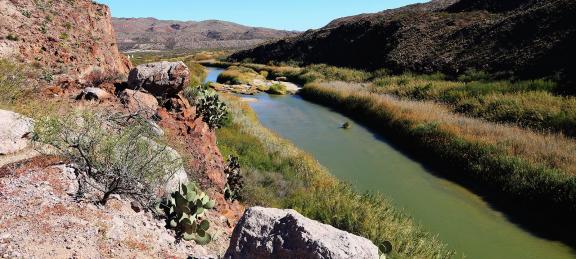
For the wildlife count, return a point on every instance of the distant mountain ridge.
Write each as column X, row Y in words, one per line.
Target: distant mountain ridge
column 153, row 34
column 523, row 38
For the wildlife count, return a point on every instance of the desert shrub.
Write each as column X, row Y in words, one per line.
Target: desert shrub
column 309, row 77
column 278, row 89
column 64, row 36
column 208, row 105
column 332, row 73
column 47, row 75
column 184, row 212
column 264, row 73
column 114, row 158
column 474, row 75
column 12, row 37
column 12, row 79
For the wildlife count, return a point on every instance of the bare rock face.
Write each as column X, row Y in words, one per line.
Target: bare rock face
column 72, row 37
column 179, row 177
column 140, row 102
column 275, row 233
column 161, row 79
column 13, row 131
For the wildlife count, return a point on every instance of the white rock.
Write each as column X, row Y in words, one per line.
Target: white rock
column 275, row 233
column 14, row 130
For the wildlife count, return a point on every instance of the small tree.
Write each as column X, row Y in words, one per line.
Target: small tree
column 115, row 156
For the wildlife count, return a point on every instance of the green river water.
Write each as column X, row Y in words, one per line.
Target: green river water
column 365, row 159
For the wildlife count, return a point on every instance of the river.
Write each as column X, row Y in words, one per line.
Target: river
column 370, row 163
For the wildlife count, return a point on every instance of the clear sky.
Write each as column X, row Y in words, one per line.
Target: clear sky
column 288, row 14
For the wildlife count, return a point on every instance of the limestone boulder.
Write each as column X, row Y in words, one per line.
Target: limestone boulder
column 275, row 233
column 162, row 79
column 139, row 102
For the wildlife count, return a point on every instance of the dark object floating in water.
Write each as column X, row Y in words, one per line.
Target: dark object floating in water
column 346, row 125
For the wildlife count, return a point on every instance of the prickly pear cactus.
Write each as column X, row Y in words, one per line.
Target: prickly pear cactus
column 184, row 211
column 234, row 180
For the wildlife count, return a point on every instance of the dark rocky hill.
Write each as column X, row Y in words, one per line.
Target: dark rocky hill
column 527, row 38
column 154, row 34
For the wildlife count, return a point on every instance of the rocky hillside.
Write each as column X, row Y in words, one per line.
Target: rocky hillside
column 72, row 37
column 152, row 34
column 528, row 38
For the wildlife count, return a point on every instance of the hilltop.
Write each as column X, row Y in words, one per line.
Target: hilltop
column 154, row 34
column 523, row 38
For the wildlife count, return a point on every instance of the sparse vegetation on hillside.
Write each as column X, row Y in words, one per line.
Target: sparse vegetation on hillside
column 19, row 91
column 12, row 81
column 278, row 174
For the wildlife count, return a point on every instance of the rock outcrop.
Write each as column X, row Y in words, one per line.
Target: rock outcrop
column 73, row 37
column 93, row 94
column 14, row 131
column 162, row 79
column 275, row 233
column 139, row 102
column 523, row 38
column 152, row 34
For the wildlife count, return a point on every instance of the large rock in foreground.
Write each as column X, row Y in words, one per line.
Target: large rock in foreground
column 161, row 78
column 275, row 233
column 14, row 129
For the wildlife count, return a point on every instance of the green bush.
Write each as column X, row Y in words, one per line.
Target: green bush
column 114, row 158
column 277, row 89
column 474, row 75
column 12, row 37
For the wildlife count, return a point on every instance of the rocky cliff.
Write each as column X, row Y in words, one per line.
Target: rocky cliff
column 527, row 38
column 72, row 37
column 153, row 34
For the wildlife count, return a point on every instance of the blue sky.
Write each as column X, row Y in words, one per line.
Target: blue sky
column 288, row 14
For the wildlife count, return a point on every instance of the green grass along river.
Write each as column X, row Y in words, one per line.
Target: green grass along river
column 365, row 159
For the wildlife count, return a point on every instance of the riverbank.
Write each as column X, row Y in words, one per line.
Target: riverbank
column 279, row 174
column 518, row 171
